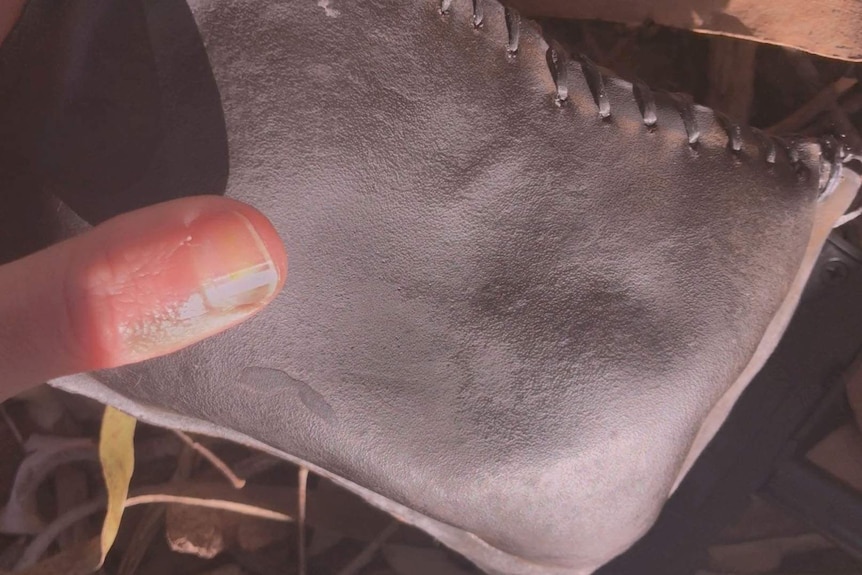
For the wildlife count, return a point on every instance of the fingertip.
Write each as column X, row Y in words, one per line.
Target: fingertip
column 138, row 286
column 165, row 277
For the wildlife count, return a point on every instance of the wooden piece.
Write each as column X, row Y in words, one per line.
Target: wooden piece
column 822, row 102
column 828, row 28
column 731, row 77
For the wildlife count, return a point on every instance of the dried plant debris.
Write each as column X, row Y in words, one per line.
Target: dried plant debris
column 207, row 532
column 230, row 509
column 117, row 456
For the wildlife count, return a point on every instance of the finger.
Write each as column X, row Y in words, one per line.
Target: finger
column 141, row 285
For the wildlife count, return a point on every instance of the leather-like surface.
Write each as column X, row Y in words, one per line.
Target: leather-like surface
column 507, row 315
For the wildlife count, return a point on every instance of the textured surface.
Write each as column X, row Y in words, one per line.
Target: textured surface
column 506, row 319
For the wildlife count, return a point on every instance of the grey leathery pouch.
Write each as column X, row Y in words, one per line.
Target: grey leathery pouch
column 521, row 291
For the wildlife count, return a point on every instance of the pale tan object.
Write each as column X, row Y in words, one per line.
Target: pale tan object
column 200, row 531
column 828, row 28
column 206, row 532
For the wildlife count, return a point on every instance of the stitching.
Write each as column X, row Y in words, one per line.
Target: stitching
column 596, row 84
column 557, row 60
column 734, row 131
column 767, row 145
column 646, row 104
column 478, row 14
column 513, row 26
column 685, row 106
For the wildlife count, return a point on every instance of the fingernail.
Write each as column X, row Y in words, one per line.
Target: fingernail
column 234, row 266
column 219, row 273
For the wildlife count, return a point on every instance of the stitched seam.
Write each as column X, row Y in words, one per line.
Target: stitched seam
column 770, row 147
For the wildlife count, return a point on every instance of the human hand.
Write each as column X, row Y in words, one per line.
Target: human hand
column 141, row 285
column 138, row 286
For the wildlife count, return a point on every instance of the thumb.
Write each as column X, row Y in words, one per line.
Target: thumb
column 141, row 285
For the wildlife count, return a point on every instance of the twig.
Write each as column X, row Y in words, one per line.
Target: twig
column 220, row 465
column 235, row 506
column 817, row 105
column 141, row 496
column 300, row 517
column 367, row 554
